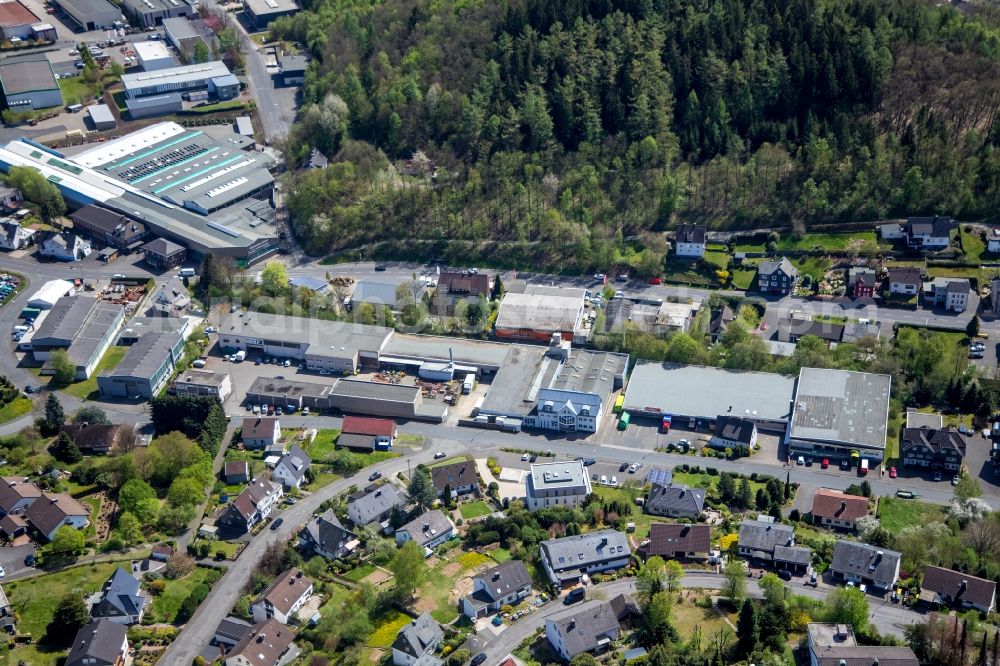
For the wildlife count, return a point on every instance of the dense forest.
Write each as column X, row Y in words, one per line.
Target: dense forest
column 572, row 131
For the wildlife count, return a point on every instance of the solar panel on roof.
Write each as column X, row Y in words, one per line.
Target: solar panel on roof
column 661, row 477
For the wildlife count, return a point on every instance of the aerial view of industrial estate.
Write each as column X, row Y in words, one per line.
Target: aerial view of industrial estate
column 509, row 333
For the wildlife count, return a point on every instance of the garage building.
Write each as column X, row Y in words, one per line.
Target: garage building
column 154, row 56
column 16, row 20
column 91, row 14
column 145, row 368
column 29, row 84
column 840, row 414
column 700, row 394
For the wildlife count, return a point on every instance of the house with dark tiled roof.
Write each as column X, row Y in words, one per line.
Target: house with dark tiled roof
column 905, row 280
column 121, row 600
column 429, row 530
column 230, row 631
column 932, row 448
column 415, row 640
column 929, row 233
column 732, row 432
column 374, row 504
column 689, row 240
column 678, row 541
column 100, row 643
column 95, row 438
column 460, row 477
column 264, row 645
column 590, row 627
column 283, row 598
column 861, row 282
column 674, row 501
column 793, row 558
column 864, row 564
column 251, row 506
column 832, row 508
column 504, row 584
column 758, row 538
column 13, row 525
column 566, row 559
column 326, row 536
column 954, row 588
column 777, row 276
column 721, row 318
column 260, row 432
column 454, row 287
column 53, row 510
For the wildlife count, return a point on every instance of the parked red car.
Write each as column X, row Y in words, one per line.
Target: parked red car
column 655, row 280
column 892, row 472
column 825, row 463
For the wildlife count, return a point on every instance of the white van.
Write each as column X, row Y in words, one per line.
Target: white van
column 187, row 272
column 239, row 356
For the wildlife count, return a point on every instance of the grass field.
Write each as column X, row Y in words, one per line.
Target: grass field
column 501, row 555
column 474, row 509
column 75, row 89
column 861, row 242
column 35, row 599
column 385, row 632
column 894, row 513
column 972, row 245
column 322, row 447
column 88, row 387
column 164, row 607
column 437, row 589
column 450, row 461
column 742, row 278
column 815, row 267
column 688, row 615
column 360, row 573
column 696, row 271
column 642, row 520
column 15, row 408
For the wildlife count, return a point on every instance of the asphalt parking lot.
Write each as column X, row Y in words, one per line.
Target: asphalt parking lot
column 12, row 560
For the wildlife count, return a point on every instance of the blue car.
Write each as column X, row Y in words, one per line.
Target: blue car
column 497, row 620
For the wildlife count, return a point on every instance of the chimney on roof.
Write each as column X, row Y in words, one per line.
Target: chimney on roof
column 962, row 586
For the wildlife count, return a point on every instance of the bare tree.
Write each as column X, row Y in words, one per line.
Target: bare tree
column 983, row 536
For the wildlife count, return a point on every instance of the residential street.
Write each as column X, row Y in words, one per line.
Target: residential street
column 200, row 628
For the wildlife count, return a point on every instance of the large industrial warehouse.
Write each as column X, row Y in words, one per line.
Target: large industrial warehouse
column 840, row 414
column 170, row 178
column 704, row 393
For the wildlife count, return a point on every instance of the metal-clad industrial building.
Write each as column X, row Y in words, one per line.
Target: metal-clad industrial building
column 91, row 14
column 145, row 368
column 157, row 105
column 29, row 84
column 151, row 13
column 262, row 12
column 175, row 79
column 154, row 56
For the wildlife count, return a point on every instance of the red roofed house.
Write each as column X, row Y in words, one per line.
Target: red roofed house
column 53, row 510
column 832, row 508
column 455, row 287
column 360, row 432
column 264, row 645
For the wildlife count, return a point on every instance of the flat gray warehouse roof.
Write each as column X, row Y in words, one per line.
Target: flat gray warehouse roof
column 514, row 389
column 540, row 312
column 287, row 387
column 841, row 406
column 434, row 348
column 145, row 357
column 694, row 390
column 27, row 76
column 324, row 337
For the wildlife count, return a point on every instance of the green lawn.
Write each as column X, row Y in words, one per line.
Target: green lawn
column 36, row 655
column 696, row 271
column 688, row 615
column 164, row 607
column 385, row 632
column 88, row 387
column 894, row 513
column 474, row 509
column 450, row 461
column 815, row 267
column 76, row 90
column 861, row 242
column 642, row 520
column 501, row 555
column 323, row 446
column 742, row 278
column 972, row 245
column 17, row 407
column 438, row 588
column 407, row 439
column 35, row 599
column 360, row 573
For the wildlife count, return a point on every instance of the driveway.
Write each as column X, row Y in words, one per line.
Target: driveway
column 12, row 560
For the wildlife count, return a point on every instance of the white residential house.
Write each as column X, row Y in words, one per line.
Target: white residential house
column 65, row 247
column 172, row 299
column 952, row 294
column 429, row 530
column 556, row 484
column 15, row 237
column 905, row 280
column 416, row 640
column 261, row 432
column 283, row 598
column 291, row 469
column 559, row 409
column 504, row 584
column 690, row 240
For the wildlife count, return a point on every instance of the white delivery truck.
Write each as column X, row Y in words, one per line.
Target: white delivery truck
column 468, row 384
column 239, row 356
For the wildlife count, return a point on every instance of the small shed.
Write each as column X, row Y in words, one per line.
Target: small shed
column 244, row 126
column 101, row 116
